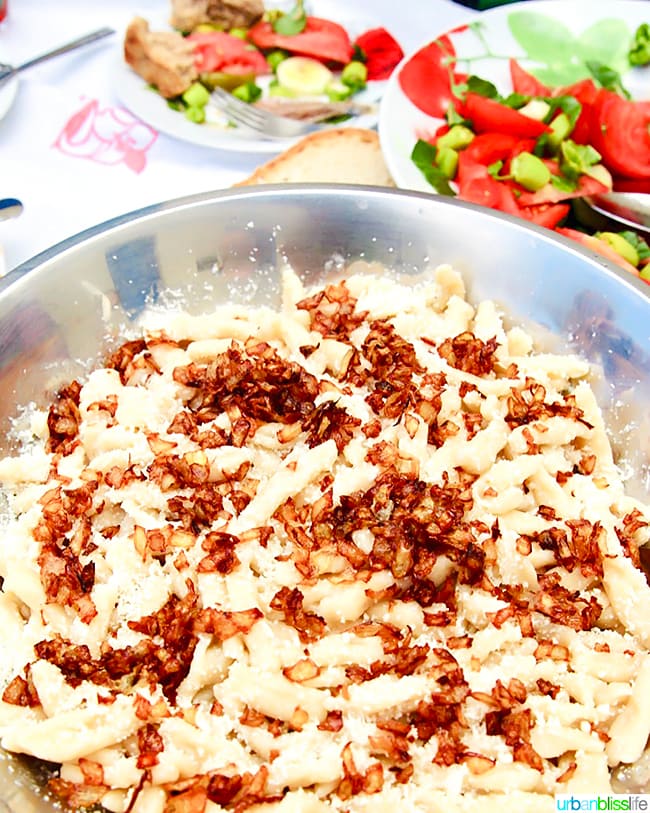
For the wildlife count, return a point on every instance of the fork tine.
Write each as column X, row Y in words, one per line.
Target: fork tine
column 249, row 115
column 254, row 118
column 241, row 111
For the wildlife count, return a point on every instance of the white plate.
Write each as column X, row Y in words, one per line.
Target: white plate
column 150, row 107
column 401, row 123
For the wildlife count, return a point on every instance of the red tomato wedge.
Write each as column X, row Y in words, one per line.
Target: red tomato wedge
column 547, row 215
column 525, row 83
column 585, row 91
column 476, row 185
column 490, row 147
column 216, row 51
column 382, row 52
column 550, row 194
column 490, row 116
column 320, row 39
column 599, row 246
column 620, row 131
column 426, row 78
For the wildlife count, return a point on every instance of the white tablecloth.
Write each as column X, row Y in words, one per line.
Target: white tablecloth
column 68, row 183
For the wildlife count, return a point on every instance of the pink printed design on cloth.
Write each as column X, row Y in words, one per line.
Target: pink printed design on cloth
column 109, row 135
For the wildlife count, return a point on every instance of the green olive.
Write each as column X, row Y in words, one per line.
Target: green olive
column 206, row 28
column 227, row 81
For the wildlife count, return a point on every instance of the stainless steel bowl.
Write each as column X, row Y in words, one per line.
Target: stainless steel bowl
column 59, row 310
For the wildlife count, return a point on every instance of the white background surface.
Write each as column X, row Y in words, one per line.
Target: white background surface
column 64, row 193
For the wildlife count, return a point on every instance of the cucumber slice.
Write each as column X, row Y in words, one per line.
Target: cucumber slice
column 303, row 76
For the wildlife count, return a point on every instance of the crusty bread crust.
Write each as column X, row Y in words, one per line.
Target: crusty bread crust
column 343, row 155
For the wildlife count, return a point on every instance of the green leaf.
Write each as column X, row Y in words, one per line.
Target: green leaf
column 459, row 90
column 639, row 52
column 569, row 105
column 515, row 100
column 482, row 87
column 452, row 116
column 495, row 168
column 358, row 54
column 577, row 159
column 423, row 156
column 544, row 39
column 641, row 245
column 475, row 84
column 563, row 184
column 338, row 118
column 291, row 23
column 607, row 77
column 606, row 41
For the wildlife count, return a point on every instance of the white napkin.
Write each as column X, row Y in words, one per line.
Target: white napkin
column 87, row 159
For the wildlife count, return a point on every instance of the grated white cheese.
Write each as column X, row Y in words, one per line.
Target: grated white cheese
column 293, row 660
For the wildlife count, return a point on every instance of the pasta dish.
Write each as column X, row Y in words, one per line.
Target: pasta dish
column 366, row 552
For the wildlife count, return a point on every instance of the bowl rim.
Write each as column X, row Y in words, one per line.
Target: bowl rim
column 199, row 199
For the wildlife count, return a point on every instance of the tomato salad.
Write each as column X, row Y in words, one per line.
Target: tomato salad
column 529, row 153
column 285, row 54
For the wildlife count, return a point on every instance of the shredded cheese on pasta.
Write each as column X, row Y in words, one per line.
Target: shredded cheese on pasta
column 366, row 553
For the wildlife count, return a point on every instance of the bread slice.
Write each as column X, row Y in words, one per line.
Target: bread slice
column 188, row 14
column 345, row 155
column 161, row 58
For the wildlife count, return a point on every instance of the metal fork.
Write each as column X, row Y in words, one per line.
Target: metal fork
column 260, row 121
column 7, row 71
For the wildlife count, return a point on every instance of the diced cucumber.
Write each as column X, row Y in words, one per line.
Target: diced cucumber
column 195, row 114
column 447, row 161
column 536, row 109
column 196, row 95
column 248, row 92
column 456, row 138
column 355, row 75
column 338, row 92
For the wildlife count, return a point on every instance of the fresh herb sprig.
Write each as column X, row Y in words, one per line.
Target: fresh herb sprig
column 293, row 22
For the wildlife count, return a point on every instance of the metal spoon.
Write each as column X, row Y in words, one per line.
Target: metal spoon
column 10, row 207
column 630, row 209
column 7, row 71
